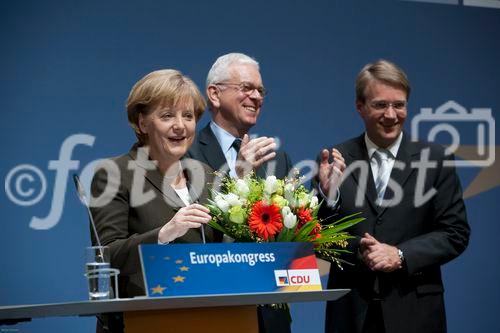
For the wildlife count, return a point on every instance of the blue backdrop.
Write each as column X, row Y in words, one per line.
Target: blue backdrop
column 67, row 68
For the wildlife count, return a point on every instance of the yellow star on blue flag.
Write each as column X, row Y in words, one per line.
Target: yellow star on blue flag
column 178, row 278
column 158, row 290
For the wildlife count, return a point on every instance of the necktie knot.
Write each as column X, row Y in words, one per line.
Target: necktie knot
column 381, row 155
column 236, row 144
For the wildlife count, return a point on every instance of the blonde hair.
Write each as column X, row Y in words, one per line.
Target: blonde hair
column 166, row 86
column 382, row 71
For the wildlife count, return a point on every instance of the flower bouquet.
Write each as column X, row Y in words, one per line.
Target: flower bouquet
column 253, row 209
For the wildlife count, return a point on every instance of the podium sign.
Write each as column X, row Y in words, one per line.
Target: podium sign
column 225, row 268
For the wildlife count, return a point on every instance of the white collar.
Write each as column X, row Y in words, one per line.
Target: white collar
column 393, row 148
column 224, row 138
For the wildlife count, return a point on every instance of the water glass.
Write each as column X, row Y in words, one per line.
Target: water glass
column 97, row 271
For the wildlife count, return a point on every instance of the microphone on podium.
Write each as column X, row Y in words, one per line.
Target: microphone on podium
column 84, row 200
column 96, row 271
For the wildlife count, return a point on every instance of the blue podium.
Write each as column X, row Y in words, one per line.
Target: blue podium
column 196, row 313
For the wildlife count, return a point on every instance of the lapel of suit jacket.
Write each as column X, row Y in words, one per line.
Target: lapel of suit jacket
column 199, row 191
column 211, row 149
column 358, row 152
column 407, row 153
column 154, row 177
column 196, row 179
column 172, row 199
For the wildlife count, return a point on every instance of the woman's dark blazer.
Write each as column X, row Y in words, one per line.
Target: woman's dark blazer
column 130, row 204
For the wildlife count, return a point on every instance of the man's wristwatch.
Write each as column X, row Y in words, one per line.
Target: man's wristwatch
column 401, row 256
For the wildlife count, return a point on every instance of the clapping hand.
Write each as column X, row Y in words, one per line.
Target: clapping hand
column 330, row 174
column 253, row 153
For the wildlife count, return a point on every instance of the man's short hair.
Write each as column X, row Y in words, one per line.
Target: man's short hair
column 382, row 71
column 220, row 69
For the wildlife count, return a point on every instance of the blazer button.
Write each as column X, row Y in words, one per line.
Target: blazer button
column 379, row 220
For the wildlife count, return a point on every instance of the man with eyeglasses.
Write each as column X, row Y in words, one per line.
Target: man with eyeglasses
column 235, row 95
column 398, row 250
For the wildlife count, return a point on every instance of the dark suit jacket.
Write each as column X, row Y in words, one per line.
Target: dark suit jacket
column 123, row 225
column 206, row 149
column 429, row 235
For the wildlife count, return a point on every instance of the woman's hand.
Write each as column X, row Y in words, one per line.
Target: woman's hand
column 192, row 216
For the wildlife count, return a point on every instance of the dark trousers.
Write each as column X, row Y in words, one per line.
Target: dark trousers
column 272, row 320
column 109, row 323
column 374, row 321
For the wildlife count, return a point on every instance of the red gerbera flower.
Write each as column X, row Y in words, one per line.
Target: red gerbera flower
column 265, row 220
column 304, row 216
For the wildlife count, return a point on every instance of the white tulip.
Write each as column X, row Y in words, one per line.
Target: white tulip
column 232, row 199
column 289, row 218
column 271, row 185
column 242, row 188
column 221, row 203
column 314, row 202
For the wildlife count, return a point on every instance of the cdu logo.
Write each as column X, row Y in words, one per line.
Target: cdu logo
column 281, row 276
column 297, row 277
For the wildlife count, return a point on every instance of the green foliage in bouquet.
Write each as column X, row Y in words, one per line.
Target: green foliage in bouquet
column 254, row 209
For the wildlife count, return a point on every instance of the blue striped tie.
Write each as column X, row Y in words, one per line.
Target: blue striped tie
column 381, row 156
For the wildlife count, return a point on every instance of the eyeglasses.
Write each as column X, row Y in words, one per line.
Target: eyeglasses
column 245, row 87
column 384, row 105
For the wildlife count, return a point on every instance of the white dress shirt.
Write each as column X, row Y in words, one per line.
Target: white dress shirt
column 391, row 158
column 226, row 140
